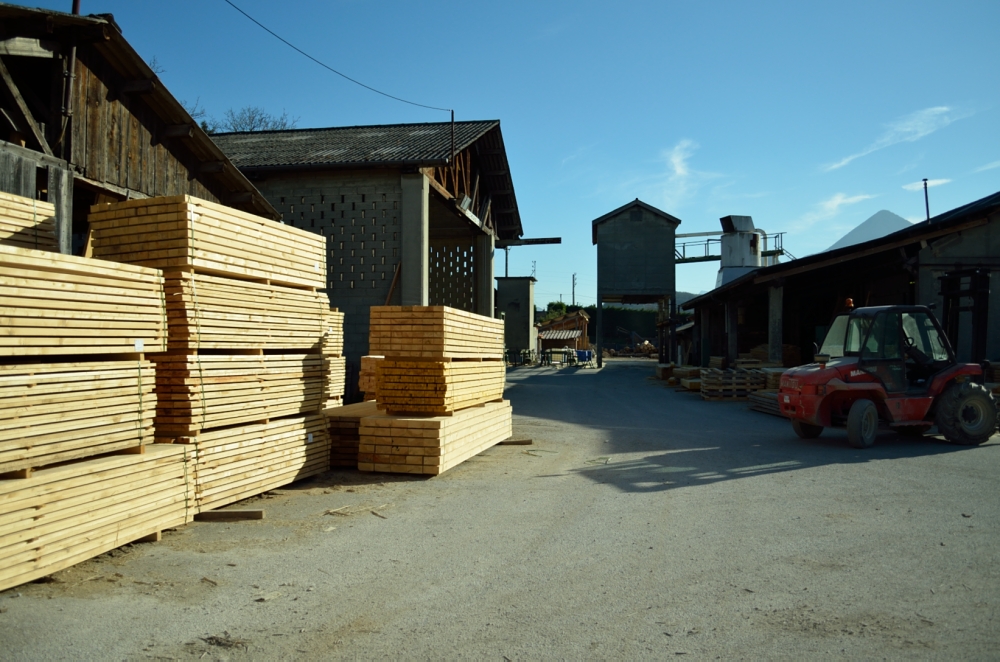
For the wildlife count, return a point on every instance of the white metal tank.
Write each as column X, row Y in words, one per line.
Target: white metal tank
column 740, row 249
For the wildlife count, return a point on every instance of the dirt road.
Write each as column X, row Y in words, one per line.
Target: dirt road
column 642, row 523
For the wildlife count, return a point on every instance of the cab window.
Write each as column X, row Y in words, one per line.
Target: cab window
column 857, row 327
column 919, row 329
column 883, row 339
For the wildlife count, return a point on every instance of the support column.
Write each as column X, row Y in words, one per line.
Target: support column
column 60, row 194
column 775, row 325
column 732, row 323
column 484, row 275
column 599, row 334
column 415, row 248
column 705, row 313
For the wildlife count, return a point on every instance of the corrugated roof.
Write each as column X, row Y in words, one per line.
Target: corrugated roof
column 381, row 144
column 560, row 334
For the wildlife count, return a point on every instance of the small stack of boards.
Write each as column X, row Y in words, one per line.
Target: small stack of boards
column 343, row 424
column 688, row 376
column 765, row 401
column 27, row 223
column 243, row 379
column 334, row 362
column 79, row 473
column 367, row 376
column 730, row 384
column 441, row 384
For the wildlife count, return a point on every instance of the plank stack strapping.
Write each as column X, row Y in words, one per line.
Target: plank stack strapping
column 730, row 384
column 71, row 512
column 27, row 223
column 343, row 424
column 64, row 305
column 431, row 445
column 54, row 412
column 201, row 392
column 368, row 375
column 183, row 231
column 239, row 462
column 437, row 387
column 435, row 333
column 334, row 362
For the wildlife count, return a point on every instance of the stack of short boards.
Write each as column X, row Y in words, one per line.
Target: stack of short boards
column 27, row 223
column 79, row 472
column 367, row 375
column 334, row 363
column 440, row 385
column 242, row 382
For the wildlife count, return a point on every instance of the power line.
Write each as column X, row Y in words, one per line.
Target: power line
column 326, row 66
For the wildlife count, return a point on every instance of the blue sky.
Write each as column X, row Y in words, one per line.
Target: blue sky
column 810, row 117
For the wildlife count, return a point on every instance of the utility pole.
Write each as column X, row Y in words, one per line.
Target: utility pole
column 574, row 289
column 927, row 204
column 532, row 268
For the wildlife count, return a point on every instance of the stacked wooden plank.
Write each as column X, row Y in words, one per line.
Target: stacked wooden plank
column 772, row 377
column 334, row 362
column 765, row 401
column 71, row 512
column 437, row 387
column 717, row 362
column 344, row 427
column 730, row 384
column 368, row 375
column 63, row 305
column 183, row 231
column 27, row 223
column 434, row 332
column 244, row 381
column 431, row 445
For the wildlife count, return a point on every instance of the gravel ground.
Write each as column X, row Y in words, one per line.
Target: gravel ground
column 641, row 523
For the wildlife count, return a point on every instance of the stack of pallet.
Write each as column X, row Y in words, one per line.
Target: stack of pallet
column 688, row 377
column 441, row 384
column 772, row 377
column 730, row 384
column 27, row 223
column 62, row 497
column 243, row 380
column 334, row 363
column 368, row 375
column 717, row 362
column 344, row 427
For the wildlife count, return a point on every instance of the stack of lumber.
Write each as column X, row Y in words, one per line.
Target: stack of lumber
column 239, row 462
column 27, row 223
column 773, row 377
column 664, row 371
column 765, row 401
column 730, row 384
column 717, row 362
column 334, row 362
column 63, row 305
column 368, row 376
column 690, row 383
column 687, row 372
column 344, row 427
column 437, row 387
column 422, row 445
column 434, row 332
column 200, row 392
column 244, row 380
column 183, row 231
column 54, row 412
column 71, row 512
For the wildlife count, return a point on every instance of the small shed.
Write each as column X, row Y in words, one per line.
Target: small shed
column 569, row 330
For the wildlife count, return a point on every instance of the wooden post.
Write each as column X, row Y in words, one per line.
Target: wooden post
column 732, row 323
column 600, row 331
column 775, row 325
column 61, row 195
column 706, row 335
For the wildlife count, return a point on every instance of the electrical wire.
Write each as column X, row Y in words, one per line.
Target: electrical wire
column 326, row 66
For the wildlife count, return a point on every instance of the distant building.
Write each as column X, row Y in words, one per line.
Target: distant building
column 569, row 330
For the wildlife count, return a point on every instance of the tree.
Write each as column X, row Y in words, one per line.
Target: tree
column 255, row 118
column 554, row 310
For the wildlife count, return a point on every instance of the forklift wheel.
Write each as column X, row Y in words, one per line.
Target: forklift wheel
column 862, row 424
column 805, row 430
column 966, row 414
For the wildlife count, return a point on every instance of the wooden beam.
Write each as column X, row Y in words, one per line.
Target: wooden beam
column 144, row 86
column 29, row 121
column 28, row 47
column 179, row 131
column 440, row 189
column 27, row 153
column 211, row 166
column 228, row 515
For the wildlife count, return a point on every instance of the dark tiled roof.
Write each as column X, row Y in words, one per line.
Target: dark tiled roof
column 560, row 334
column 383, row 144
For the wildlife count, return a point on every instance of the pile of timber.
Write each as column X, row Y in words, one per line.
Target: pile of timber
column 63, row 305
column 431, row 445
column 243, row 381
column 344, row 427
column 27, row 223
column 730, row 384
column 368, row 375
column 71, row 512
column 441, row 383
column 664, row 371
column 334, row 362
column 717, row 362
column 688, row 377
column 766, row 401
column 186, row 232
column 773, row 377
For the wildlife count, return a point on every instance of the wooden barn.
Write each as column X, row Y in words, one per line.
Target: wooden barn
column 83, row 119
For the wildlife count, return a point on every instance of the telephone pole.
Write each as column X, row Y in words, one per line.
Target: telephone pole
column 574, row 289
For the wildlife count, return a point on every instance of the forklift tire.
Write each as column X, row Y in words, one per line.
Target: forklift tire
column 862, row 424
column 805, row 430
column 966, row 414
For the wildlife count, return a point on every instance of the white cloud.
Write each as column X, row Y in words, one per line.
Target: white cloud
column 917, row 186
column 988, row 166
column 828, row 209
column 908, row 128
column 679, row 184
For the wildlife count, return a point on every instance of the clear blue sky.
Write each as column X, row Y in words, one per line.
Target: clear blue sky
column 808, row 116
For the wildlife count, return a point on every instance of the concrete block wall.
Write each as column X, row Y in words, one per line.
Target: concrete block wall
column 359, row 214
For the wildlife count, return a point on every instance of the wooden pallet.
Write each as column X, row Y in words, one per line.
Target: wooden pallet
column 730, row 384
column 54, row 412
column 208, row 312
column 231, row 464
column 437, row 387
column 343, row 425
column 198, row 392
column 186, row 232
column 66, row 514
column 368, row 375
column 431, row 446
column 56, row 304
column 27, row 223
column 434, row 333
